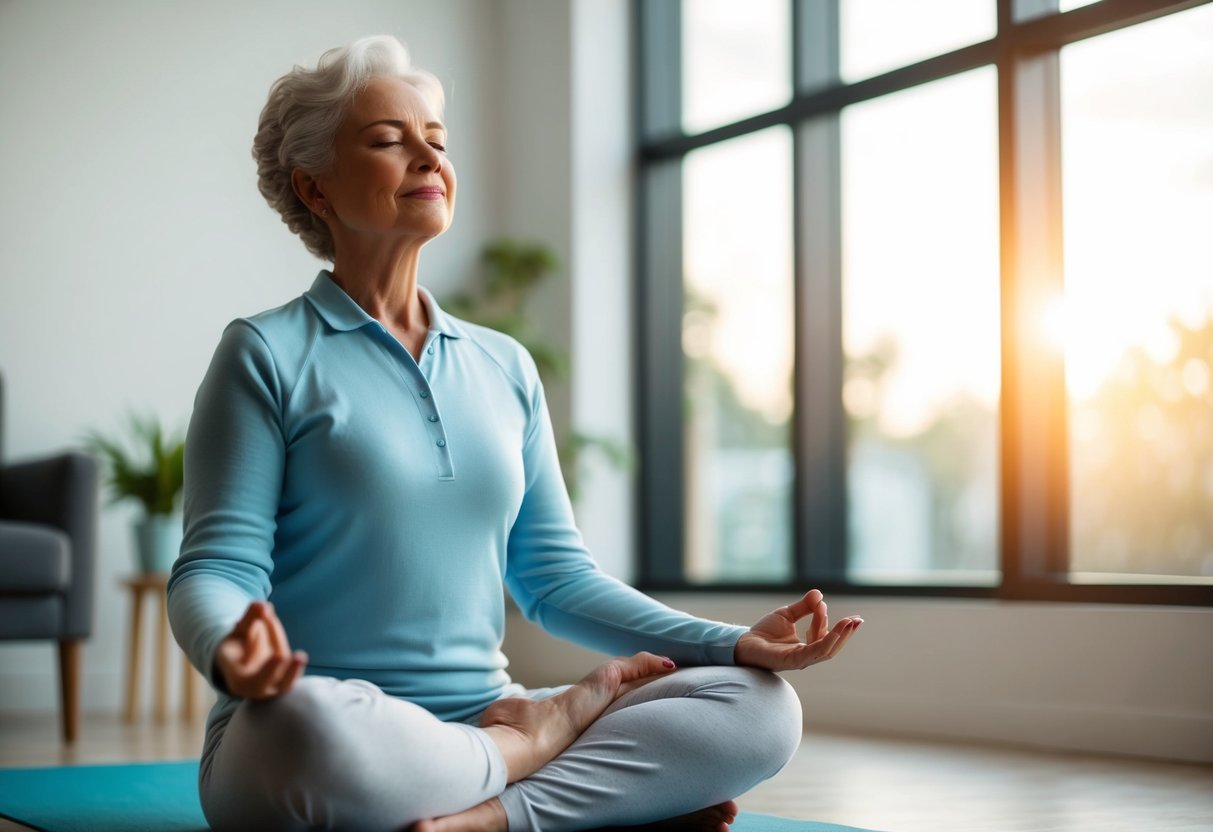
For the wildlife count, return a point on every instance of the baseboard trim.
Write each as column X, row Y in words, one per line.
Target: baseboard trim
column 1164, row 736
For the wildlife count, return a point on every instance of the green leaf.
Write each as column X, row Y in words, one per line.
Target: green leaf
column 512, row 270
column 154, row 474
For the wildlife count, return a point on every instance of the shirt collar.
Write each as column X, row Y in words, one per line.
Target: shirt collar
column 341, row 312
column 440, row 321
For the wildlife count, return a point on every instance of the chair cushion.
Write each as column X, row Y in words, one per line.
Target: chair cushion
column 34, row 559
column 31, row 616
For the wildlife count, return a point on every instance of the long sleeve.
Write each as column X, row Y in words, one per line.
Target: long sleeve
column 233, row 478
column 380, row 500
column 555, row 581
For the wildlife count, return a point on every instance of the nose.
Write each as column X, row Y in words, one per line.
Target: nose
column 427, row 159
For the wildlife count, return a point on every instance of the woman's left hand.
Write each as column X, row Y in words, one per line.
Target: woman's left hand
column 772, row 643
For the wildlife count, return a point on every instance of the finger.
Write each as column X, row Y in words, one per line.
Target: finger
column 820, row 650
column 852, row 626
column 283, row 667
column 838, row 639
column 820, row 624
column 251, row 614
column 643, row 664
column 826, row 644
column 237, row 677
column 847, row 632
column 794, row 657
column 248, row 650
column 801, row 656
column 277, row 633
column 293, row 671
column 262, row 682
column 799, row 609
column 292, row 667
column 249, row 682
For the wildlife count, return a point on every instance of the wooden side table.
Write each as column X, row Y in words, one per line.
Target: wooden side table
column 138, row 585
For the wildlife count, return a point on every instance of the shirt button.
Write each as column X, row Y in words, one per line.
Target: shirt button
column 425, row 394
column 433, row 418
column 430, row 350
column 441, row 443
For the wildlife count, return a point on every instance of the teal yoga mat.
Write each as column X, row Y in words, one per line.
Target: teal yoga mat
column 163, row 797
column 140, row 797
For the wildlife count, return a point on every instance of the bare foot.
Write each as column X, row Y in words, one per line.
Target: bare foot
column 531, row 734
column 712, row 819
column 490, row 817
column 487, row 817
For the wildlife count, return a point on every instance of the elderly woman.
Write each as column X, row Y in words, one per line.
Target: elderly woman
column 363, row 474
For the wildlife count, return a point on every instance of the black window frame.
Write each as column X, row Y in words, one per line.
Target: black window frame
column 1033, row 423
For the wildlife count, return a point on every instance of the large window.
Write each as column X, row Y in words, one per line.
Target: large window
column 926, row 297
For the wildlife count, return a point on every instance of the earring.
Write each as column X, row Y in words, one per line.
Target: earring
column 324, row 212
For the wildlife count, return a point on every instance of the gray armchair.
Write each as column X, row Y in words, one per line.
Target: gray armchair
column 48, row 543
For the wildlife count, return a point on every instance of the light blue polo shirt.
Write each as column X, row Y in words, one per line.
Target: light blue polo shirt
column 381, row 503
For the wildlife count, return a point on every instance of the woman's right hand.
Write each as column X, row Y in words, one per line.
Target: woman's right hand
column 255, row 659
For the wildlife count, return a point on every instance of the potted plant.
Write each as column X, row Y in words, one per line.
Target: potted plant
column 153, row 475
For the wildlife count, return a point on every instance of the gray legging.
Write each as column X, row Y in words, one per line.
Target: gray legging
column 336, row 754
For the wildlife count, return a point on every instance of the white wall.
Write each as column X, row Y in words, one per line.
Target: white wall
column 600, row 311
column 534, row 147
column 108, row 299
column 565, row 162
column 132, row 230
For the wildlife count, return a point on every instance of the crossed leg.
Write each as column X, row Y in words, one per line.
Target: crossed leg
column 344, row 755
column 670, row 755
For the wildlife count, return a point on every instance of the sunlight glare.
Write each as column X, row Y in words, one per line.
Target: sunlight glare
column 1055, row 323
column 1094, row 339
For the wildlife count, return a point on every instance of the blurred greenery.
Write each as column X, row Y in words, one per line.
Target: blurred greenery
column 740, row 520
column 1141, row 453
column 511, row 271
column 1142, row 461
column 152, row 474
column 948, row 456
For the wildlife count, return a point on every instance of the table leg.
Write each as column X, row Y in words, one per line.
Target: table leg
column 162, row 660
column 136, row 648
column 188, row 677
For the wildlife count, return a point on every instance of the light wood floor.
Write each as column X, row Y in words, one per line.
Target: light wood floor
column 894, row 785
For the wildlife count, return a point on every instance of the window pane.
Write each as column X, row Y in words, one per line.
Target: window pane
column 880, row 35
column 921, row 332
column 736, row 60
column 1067, row 5
column 737, row 342
column 1031, row 9
column 1138, row 315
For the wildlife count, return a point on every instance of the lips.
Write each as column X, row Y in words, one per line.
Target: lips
column 427, row 192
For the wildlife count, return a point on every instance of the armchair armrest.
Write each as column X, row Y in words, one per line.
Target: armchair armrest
column 61, row 491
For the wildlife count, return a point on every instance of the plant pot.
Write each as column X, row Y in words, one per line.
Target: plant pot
column 157, row 541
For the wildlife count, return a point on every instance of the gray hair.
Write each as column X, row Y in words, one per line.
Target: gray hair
column 301, row 117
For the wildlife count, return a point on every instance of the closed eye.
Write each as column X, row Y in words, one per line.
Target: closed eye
column 441, row 148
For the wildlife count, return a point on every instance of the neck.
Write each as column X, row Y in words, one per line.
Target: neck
column 384, row 283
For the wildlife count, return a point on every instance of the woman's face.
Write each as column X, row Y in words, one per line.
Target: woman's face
column 390, row 177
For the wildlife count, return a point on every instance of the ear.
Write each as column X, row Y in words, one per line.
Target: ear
column 308, row 190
